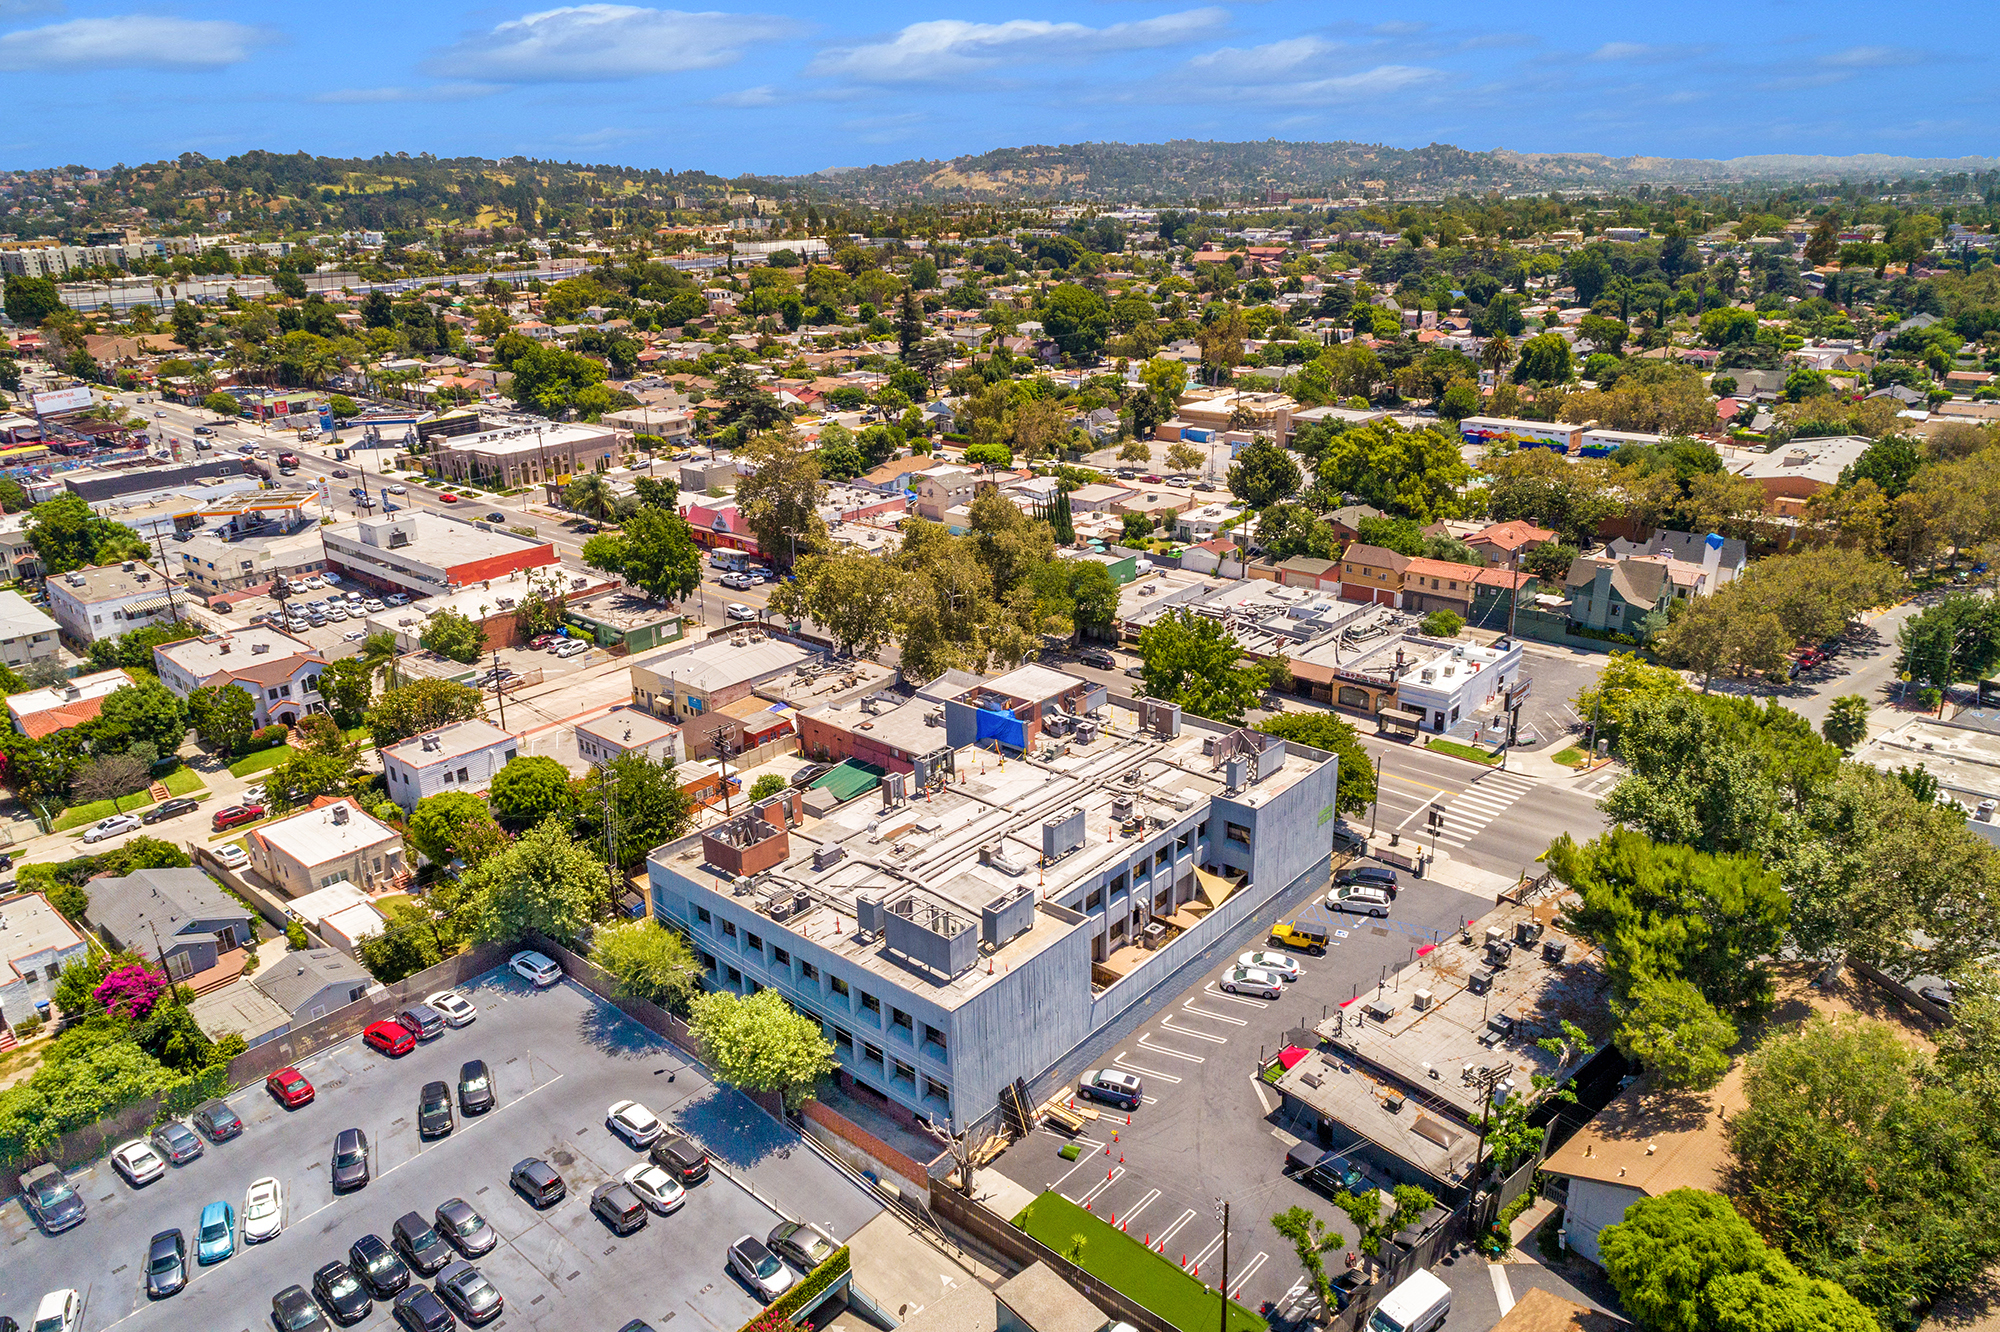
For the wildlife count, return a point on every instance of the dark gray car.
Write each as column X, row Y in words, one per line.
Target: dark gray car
column 465, row 1228
column 177, row 1142
column 475, row 1087
column 421, row 1246
column 218, row 1121
column 47, row 1194
column 350, row 1160
column 434, row 1115
column 166, row 1264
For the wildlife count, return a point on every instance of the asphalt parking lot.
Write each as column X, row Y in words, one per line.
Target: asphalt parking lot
column 1208, row 1129
column 559, row 1059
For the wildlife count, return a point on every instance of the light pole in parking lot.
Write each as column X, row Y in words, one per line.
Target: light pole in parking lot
column 1222, row 1215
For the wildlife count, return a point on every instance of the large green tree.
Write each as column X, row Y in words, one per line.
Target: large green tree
column 648, row 962
column 147, row 713
column 1323, row 730
column 223, row 716
column 1263, row 474
column 1192, row 660
column 646, row 807
column 660, row 557
column 544, row 881
column 762, row 1044
column 852, row 596
column 68, row 534
column 422, row 705
column 1077, row 319
column 451, row 633
column 30, row 300
column 780, row 498
column 455, row 825
column 530, row 789
column 1408, row 473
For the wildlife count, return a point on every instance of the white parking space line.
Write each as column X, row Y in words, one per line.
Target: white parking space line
column 1212, row 1247
column 1210, row 990
column 1146, row 1044
column 1187, row 1006
column 1125, row 1063
column 1173, row 1230
column 1167, row 1024
column 1111, row 1177
column 1132, row 1212
column 1081, row 1162
column 1243, row 1277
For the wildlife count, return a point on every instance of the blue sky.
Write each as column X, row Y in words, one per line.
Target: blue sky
column 781, row 86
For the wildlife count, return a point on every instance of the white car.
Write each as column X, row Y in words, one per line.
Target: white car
column 655, row 1187
column 354, row 636
column 1251, row 981
column 138, row 1162
column 59, row 1311
column 230, row 856
column 372, row 605
column 739, row 611
column 1361, row 901
column 453, row 1007
column 329, row 578
column 575, row 647
column 399, row 490
column 396, row 599
column 313, row 581
column 634, row 1123
column 115, row 826
column 336, row 612
column 263, row 1210
column 254, row 795
column 1277, row 963
column 534, row 968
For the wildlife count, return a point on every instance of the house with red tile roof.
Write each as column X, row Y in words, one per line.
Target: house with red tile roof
column 41, row 712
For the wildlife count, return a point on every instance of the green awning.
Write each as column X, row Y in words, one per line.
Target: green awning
column 850, row 779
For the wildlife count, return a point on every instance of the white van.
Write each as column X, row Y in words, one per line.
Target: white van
column 1419, row 1303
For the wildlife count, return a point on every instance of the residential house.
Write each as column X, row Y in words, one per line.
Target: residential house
column 1614, row 596
column 41, row 712
column 1439, row 585
column 947, row 488
column 180, row 918
column 1718, row 559
column 309, row 985
column 19, row 560
column 37, row 944
column 747, row 726
column 340, row 914
column 92, row 604
column 460, row 757
column 685, row 686
column 1205, row 521
column 26, row 634
column 1372, row 573
column 1346, row 520
column 335, row 841
column 627, row 729
column 277, row 670
column 1218, row 556
column 1099, row 497
column 1504, row 543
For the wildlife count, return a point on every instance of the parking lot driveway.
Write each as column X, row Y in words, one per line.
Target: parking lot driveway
column 1208, row 1129
column 559, row 1058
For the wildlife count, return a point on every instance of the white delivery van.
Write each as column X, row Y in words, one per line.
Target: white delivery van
column 1419, row 1303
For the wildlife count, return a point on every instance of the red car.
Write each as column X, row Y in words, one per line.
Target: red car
column 290, row 1087
column 236, row 815
column 542, row 641
column 391, row 1038
column 448, row 498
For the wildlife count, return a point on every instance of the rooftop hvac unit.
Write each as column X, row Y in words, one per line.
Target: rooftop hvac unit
column 259, row 649
column 826, row 857
column 868, row 914
column 786, row 903
column 1421, row 1000
column 1393, row 1103
column 1121, row 807
column 340, row 813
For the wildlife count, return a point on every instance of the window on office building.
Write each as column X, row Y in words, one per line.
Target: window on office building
column 779, row 957
column 934, row 1036
column 701, row 914
column 753, row 943
column 808, row 972
column 932, row 1087
column 729, row 929
column 905, row 1074
column 872, row 1054
column 870, row 1004
column 843, row 1041
column 837, row 985
column 1237, row 833
column 901, row 1022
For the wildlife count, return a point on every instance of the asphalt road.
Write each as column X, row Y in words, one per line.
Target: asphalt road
column 560, row 1057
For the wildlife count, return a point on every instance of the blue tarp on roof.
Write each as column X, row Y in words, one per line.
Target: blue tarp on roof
column 1002, row 726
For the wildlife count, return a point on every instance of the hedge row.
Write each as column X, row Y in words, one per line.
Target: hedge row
column 780, row 1310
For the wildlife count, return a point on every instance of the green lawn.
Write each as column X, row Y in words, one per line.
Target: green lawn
column 1123, row 1261
column 181, row 781
column 1456, row 750
column 1570, row 758
column 261, row 760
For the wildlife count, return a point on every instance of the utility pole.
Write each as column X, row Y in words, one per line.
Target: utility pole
column 1513, row 590
column 610, row 837
column 166, row 575
column 499, row 693
column 1222, row 1215
column 719, row 737
column 1375, row 806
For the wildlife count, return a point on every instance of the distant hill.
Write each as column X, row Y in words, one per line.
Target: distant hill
column 1187, row 169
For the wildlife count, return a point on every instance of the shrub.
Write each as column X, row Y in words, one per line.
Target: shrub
column 28, row 1026
column 69, row 899
column 295, row 937
column 274, row 734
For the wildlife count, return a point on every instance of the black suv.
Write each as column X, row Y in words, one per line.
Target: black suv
column 294, row 1311
column 434, row 1115
column 682, row 1158
column 377, row 1265
column 420, row 1244
column 538, row 1182
column 1368, row 876
column 50, row 1199
column 342, row 1293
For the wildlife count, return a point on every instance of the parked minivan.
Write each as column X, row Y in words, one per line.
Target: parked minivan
column 1368, row 876
column 1361, row 901
column 1419, row 1303
column 422, row 1019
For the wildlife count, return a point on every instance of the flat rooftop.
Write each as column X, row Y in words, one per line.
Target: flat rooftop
column 1359, row 1100
column 821, row 680
column 528, row 440
column 315, row 836
column 978, row 839
column 28, row 924
column 623, row 609
column 90, row 586
column 433, row 539
column 453, row 741
column 723, row 661
column 236, row 650
column 628, row 728
column 69, row 693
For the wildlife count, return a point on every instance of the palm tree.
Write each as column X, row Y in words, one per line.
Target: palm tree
column 591, row 495
column 1495, row 355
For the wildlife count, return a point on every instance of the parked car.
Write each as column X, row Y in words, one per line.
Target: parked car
column 1379, row 877
column 809, row 774
column 398, row 490
column 115, row 826
column 734, row 580
column 419, row 1243
column 290, row 1087
column 1281, row 966
column 475, row 1087
column 465, row 1228
column 50, row 1198
column 263, row 1210
column 218, row 1121
column 1099, row 658
column 342, row 1293
column 618, row 1207
column 574, row 647
column 378, row 1266
column 350, row 1160
column 419, row 1310
column 230, row 856
column 1311, row 935
column 422, row 1019
column 177, row 1142
column 760, row 1269
column 469, row 1293
column 655, row 1187
column 538, row 1182
column 1361, row 901
column 1248, row 980
column 59, row 1311
column 293, row 1310
column 1114, row 1086
column 453, row 1007
column 682, row 1157
column 434, row 1117
column 803, row 1246
column 215, row 1236
column 138, row 1162
column 535, row 968
column 166, row 1265
column 236, row 816
column 634, row 1123
column 168, row 809
column 390, row 1037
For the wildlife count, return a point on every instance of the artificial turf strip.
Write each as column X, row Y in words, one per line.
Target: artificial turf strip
column 1124, row 1262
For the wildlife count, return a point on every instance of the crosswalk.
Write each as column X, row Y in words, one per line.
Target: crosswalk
column 1479, row 804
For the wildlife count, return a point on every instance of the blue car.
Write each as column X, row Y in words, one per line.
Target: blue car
column 215, row 1239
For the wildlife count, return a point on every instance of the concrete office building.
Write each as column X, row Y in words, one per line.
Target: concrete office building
column 1049, row 861
column 424, row 554
column 91, row 604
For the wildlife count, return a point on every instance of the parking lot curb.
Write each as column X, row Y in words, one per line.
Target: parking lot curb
column 734, row 1178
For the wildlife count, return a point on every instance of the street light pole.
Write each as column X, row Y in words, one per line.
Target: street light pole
column 1222, row 1318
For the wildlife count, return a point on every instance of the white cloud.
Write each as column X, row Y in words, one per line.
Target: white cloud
column 953, row 48
column 1263, row 62
column 443, row 92
column 591, row 43
column 1376, row 82
column 764, row 94
column 131, row 41
column 1871, row 57
column 1642, row 53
